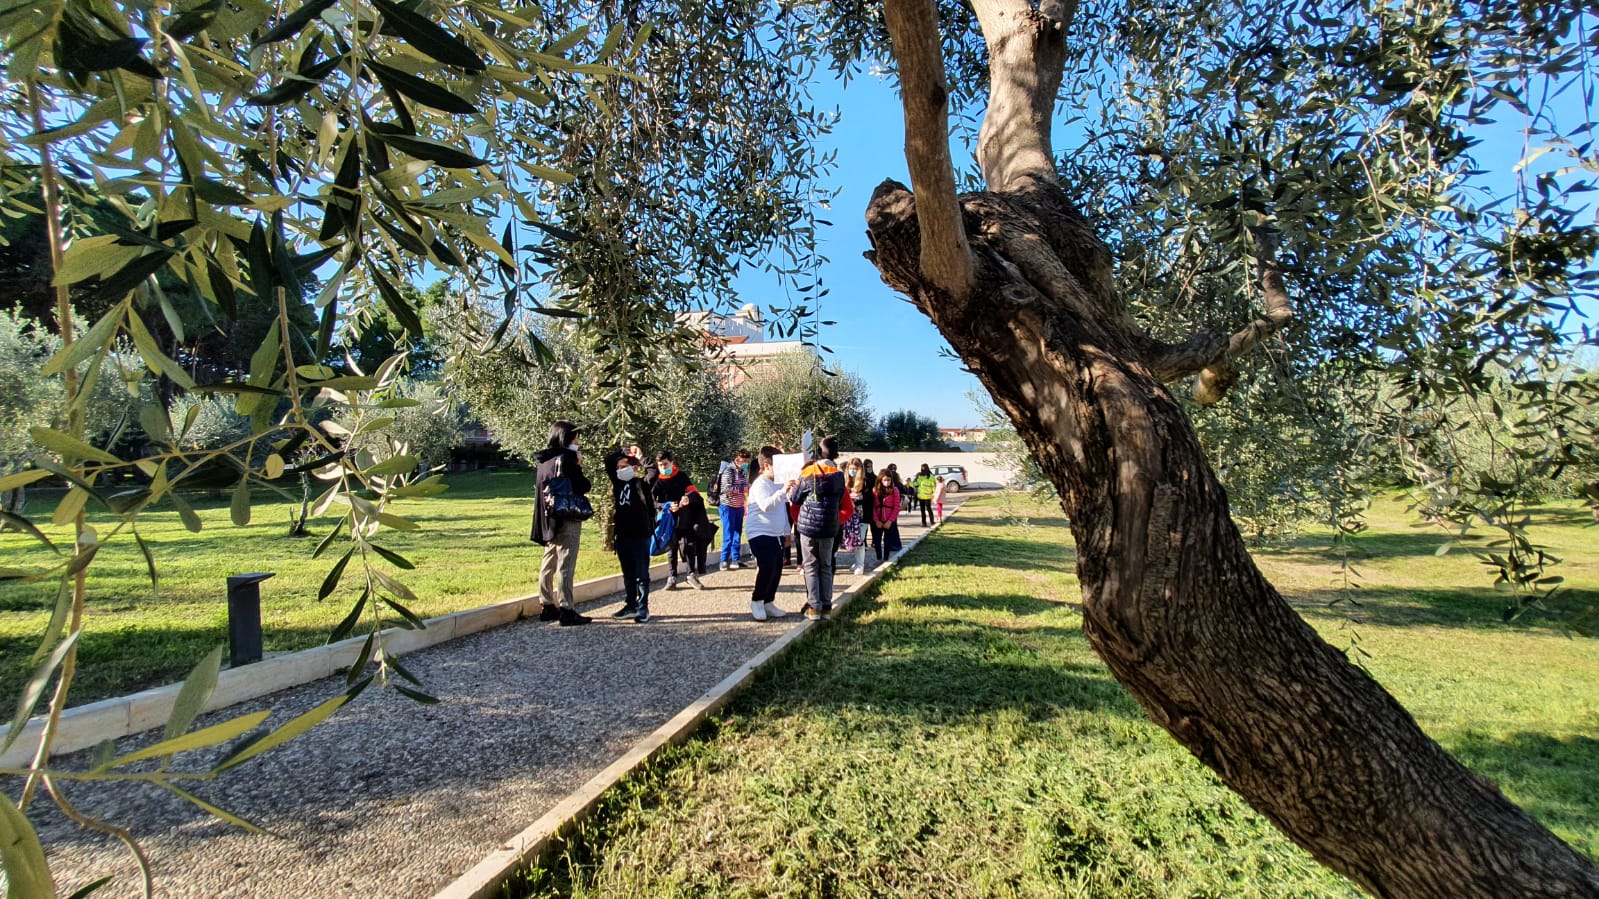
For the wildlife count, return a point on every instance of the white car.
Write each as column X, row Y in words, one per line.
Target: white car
column 954, row 475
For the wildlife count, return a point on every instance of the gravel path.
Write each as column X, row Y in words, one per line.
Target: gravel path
column 393, row 798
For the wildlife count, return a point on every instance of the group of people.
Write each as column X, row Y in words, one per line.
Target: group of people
column 827, row 510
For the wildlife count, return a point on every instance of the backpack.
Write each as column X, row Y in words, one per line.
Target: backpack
column 665, row 527
column 716, row 486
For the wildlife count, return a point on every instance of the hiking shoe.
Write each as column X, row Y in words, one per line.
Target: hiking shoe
column 812, row 615
column 549, row 613
column 772, row 611
column 626, row 611
column 694, row 581
column 570, row 618
column 643, row 614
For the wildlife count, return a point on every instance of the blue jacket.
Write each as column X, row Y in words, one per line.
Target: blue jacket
column 819, row 494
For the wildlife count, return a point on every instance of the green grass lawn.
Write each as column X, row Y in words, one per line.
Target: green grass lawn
column 953, row 735
column 472, row 550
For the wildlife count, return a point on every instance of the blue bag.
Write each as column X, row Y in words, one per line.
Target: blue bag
column 665, row 529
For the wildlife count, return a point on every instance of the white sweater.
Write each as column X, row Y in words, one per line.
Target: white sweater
column 766, row 510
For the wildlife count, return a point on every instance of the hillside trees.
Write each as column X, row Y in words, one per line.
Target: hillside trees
column 1273, row 128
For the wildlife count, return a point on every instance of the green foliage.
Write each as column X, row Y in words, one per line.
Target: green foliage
column 785, row 397
column 209, row 164
column 427, row 423
column 207, row 423
column 688, row 410
column 905, row 430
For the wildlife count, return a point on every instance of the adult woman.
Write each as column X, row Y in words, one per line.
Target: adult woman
column 851, row 533
column 766, row 524
column 558, row 536
column 885, row 514
column 635, row 521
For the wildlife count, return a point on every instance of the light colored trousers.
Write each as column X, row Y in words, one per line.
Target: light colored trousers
column 560, row 561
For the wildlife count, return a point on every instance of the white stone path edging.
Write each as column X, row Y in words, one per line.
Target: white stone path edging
column 535, row 843
column 109, row 719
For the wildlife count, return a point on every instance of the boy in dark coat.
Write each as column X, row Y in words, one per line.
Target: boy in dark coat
column 668, row 487
column 694, row 533
column 634, row 516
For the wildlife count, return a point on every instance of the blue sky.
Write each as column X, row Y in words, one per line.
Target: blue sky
column 878, row 334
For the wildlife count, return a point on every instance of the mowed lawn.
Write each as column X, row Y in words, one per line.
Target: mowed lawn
column 953, row 735
column 472, row 549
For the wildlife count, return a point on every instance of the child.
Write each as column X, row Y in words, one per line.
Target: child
column 851, row 532
column 694, row 534
column 940, row 488
column 885, row 513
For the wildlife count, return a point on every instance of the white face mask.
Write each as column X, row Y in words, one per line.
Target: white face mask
column 627, row 474
column 572, row 445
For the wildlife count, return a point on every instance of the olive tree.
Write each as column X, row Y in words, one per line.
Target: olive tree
column 1265, row 122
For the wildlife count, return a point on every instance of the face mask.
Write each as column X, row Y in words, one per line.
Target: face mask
column 626, row 474
column 668, row 469
column 572, row 445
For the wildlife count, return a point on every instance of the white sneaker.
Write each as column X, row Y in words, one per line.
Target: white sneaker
column 671, row 582
column 758, row 610
column 772, row 611
column 857, row 571
column 694, row 581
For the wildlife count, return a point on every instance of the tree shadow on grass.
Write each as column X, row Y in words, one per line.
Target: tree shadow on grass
column 1462, row 607
column 936, row 668
column 1555, row 778
column 1017, row 553
column 1018, row 604
column 1001, row 520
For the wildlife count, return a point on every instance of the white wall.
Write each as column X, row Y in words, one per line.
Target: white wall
column 982, row 469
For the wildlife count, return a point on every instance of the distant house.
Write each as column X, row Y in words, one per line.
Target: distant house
column 478, row 449
column 963, row 435
column 738, row 346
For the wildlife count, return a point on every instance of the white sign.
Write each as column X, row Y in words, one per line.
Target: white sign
column 805, row 444
column 787, row 467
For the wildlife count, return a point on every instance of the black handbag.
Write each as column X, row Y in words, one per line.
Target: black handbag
column 562, row 504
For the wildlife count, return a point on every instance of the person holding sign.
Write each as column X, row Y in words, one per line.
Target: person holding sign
column 766, row 524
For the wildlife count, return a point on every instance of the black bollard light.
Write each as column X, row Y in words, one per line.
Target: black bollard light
column 244, row 617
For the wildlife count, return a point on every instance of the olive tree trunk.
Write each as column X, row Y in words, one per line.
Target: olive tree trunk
column 1022, row 289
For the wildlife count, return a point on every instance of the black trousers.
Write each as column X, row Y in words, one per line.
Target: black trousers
column 768, row 567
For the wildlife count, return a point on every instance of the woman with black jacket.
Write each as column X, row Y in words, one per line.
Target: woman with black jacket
column 635, row 523
column 559, row 537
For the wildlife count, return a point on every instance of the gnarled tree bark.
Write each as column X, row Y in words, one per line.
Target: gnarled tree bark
column 1171, row 599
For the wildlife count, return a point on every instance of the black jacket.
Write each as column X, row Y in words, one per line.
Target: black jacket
column 670, row 490
column 693, row 525
column 554, row 463
column 635, row 511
